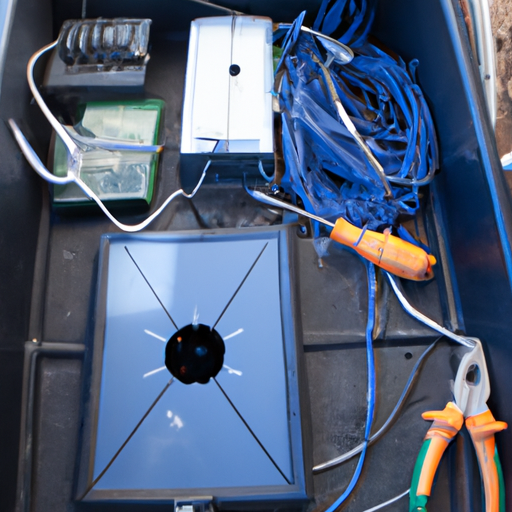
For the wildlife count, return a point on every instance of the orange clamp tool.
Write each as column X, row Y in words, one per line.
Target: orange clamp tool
column 385, row 250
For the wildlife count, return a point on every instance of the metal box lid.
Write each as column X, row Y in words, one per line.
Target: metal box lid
column 228, row 102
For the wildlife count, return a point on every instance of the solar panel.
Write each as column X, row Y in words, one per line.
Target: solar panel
column 194, row 387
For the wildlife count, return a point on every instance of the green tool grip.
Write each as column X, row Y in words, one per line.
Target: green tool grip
column 425, row 469
column 418, row 503
column 447, row 424
column 500, row 478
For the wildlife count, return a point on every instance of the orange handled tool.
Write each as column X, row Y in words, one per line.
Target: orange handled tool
column 471, row 391
column 482, row 428
column 384, row 249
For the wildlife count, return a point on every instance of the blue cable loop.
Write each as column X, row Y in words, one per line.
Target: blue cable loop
column 363, row 231
column 323, row 164
column 353, row 18
column 264, row 175
column 370, row 395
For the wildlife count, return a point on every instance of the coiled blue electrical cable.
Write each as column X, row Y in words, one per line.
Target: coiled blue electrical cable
column 370, row 395
column 324, row 166
column 349, row 21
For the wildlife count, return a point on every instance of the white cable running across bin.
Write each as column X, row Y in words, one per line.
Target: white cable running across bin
column 76, row 144
column 73, row 177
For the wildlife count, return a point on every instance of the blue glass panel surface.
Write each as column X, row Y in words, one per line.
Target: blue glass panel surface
column 193, row 438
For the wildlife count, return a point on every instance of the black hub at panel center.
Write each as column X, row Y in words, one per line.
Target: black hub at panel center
column 195, row 353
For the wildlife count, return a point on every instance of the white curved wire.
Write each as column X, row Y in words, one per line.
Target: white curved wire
column 73, row 139
column 34, row 160
column 463, row 340
column 389, row 502
column 38, row 166
column 61, row 132
column 138, row 227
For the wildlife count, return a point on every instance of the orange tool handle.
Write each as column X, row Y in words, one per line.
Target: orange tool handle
column 386, row 250
column 482, row 428
column 446, row 426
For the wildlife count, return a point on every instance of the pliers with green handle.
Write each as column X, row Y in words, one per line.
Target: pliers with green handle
column 471, row 391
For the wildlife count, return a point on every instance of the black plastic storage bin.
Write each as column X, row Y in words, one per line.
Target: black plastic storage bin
column 50, row 266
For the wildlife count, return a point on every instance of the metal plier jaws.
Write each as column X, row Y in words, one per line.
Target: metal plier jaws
column 471, row 391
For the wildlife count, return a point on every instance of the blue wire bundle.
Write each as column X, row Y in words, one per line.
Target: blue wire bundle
column 346, row 20
column 324, row 165
column 370, row 394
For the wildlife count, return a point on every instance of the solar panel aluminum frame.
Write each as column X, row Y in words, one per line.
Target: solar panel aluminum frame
column 294, row 496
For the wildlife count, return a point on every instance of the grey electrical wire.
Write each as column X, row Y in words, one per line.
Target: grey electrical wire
column 73, row 176
column 67, row 134
column 75, row 144
column 389, row 502
column 375, row 437
column 463, row 340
